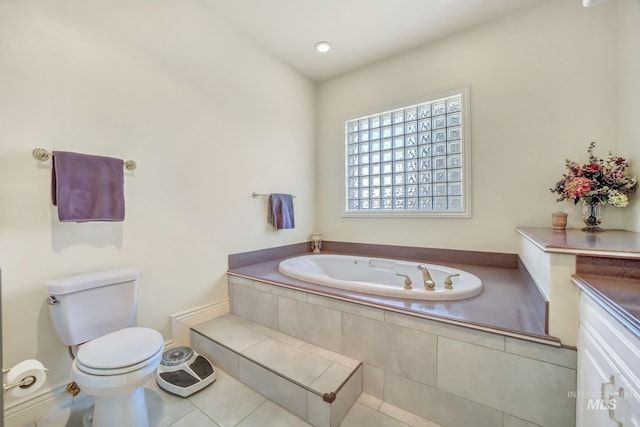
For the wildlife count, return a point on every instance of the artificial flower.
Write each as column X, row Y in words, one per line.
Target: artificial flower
column 577, row 187
column 597, row 181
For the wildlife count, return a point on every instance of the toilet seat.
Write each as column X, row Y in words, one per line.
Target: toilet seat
column 125, row 350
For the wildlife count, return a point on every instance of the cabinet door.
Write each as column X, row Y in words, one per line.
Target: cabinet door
column 629, row 408
column 608, row 354
column 594, row 372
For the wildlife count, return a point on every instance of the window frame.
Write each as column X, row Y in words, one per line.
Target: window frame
column 465, row 151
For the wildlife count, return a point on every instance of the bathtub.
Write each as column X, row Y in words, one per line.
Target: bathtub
column 380, row 276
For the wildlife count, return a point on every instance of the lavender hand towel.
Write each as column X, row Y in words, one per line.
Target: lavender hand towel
column 281, row 211
column 87, row 188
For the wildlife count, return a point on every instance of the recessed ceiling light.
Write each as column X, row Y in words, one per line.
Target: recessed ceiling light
column 323, row 47
column 589, row 3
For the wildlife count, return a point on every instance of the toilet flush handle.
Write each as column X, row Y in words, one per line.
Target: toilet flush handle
column 51, row 300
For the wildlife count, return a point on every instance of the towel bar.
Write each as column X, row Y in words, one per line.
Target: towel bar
column 254, row 195
column 42, row 155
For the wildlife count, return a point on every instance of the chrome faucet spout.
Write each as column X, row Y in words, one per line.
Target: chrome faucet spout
column 429, row 284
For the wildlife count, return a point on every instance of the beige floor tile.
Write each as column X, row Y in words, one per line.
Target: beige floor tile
column 227, row 401
column 370, row 401
column 270, row 414
column 195, row 418
column 363, row 416
column 164, row 408
column 405, row 417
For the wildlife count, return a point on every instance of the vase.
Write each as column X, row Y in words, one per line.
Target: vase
column 592, row 216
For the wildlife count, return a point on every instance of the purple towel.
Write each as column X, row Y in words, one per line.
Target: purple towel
column 87, row 188
column 281, row 211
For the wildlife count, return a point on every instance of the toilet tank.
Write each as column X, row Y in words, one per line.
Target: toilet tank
column 87, row 306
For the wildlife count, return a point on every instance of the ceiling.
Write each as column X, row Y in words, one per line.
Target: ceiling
column 361, row 31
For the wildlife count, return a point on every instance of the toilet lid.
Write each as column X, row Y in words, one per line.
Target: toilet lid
column 119, row 350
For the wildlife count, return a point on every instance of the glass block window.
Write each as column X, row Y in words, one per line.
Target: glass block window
column 410, row 160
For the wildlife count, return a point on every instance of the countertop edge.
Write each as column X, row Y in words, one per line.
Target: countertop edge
column 548, row 246
column 627, row 320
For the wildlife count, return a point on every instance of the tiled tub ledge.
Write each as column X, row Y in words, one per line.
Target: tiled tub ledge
column 316, row 384
column 510, row 304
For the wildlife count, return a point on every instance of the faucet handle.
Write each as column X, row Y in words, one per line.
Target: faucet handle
column 448, row 283
column 407, row 280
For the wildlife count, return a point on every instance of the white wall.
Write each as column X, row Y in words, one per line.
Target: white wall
column 629, row 93
column 543, row 85
column 208, row 117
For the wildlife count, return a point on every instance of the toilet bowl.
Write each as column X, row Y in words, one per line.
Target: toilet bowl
column 113, row 370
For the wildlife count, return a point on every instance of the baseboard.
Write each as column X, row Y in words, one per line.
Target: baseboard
column 183, row 321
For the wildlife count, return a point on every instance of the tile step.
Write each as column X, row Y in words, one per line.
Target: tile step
column 316, row 384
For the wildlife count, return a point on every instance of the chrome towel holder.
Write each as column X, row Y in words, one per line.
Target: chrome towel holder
column 255, row 195
column 43, row 155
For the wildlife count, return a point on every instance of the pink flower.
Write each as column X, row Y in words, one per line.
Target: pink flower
column 577, row 187
column 592, row 167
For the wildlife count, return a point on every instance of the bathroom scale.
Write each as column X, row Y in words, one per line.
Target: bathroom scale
column 183, row 372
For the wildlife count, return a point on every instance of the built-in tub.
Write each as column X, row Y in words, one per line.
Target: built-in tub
column 384, row 277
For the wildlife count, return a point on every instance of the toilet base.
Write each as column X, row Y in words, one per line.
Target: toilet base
column 123, row 411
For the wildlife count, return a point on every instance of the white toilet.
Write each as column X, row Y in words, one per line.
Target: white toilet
column 93, row 314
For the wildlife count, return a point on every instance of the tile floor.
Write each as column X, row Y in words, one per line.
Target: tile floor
column 228, row 402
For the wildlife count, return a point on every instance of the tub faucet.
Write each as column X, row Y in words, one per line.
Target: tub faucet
column 429, row 284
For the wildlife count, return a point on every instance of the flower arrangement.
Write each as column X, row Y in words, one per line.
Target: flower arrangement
column 597, row 181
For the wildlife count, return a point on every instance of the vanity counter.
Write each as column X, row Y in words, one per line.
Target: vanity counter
column 619, row 296
column 612, row 243
column 607, row 267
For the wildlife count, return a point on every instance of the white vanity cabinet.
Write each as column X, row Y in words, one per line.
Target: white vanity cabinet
column 608, row 388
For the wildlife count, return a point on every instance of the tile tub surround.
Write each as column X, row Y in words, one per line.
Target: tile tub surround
column 448, row 374
column 510, row 302
column 313, row 383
